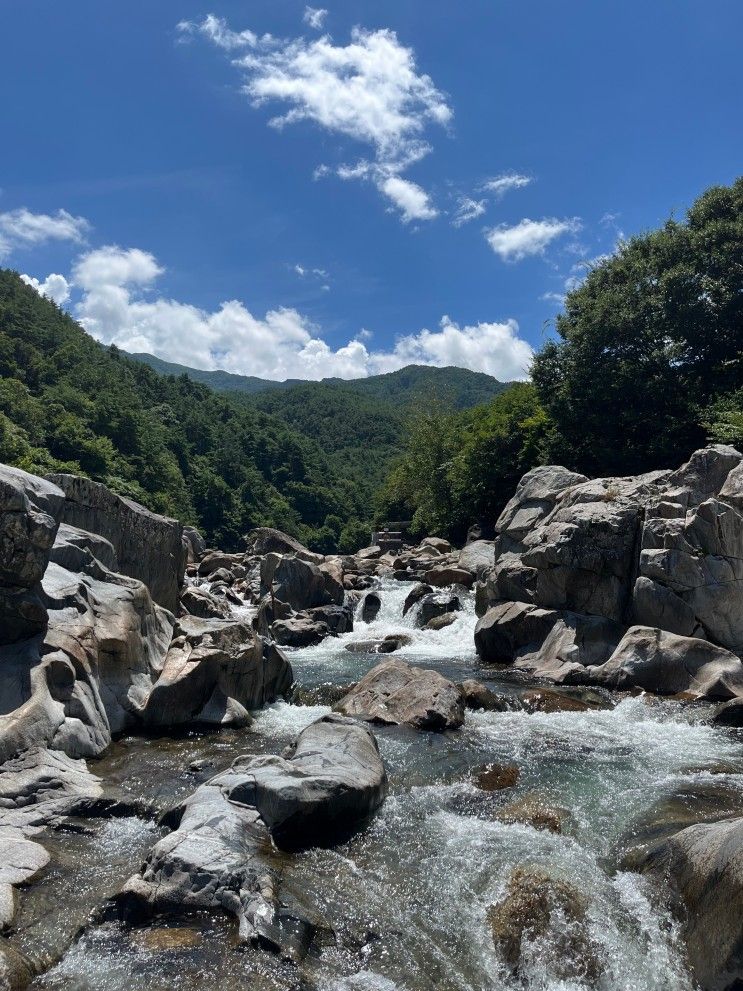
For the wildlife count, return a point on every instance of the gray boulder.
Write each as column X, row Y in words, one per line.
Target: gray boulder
column 198, row 602
column 478, row 557
column 444, row 575
column 218, row 857
column 266, row 540
column 148, row 547
column 415, row 595
column 78, row 550
column 300, row 584
column 195, row 544
column 666, row 664
column 370, row 607
column 397, row 693
column 299, row 631
column 435, row 604
column 704, row 864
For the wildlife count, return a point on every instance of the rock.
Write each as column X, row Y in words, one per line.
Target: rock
column 299, row 631
column 299, row 583
column 213, row 672
column 732, row 491
column 654, row 604
column 479, row 697
column 704, row 864
column 396, row 693
column 265, row 540
column 442, row 576
column 222, row 575
column 148, row 547
column 269, row 610
column 30, row 512
column 705, row 473
column 338, row 619
column 8, row 909
column 370, row 607
column 435, row 604
column 195, row 544
column 544, row 910
column 20, row 859
column 548, row 700
column 729, row 713
column 437, row 543
column 496, row 777
column 391, row 643
column 369, row 553
column 332, row 573
column 532, row 810
column 441, row 622
column 218, row 857
column 536, row 495
column 478, row 557
column 198, row 602
column 78, row 550
column 214, row 562
column 325, row 694
column 415, row 595
column 666, row 664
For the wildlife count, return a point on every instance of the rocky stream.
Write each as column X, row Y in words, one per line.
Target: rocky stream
column 517, row 766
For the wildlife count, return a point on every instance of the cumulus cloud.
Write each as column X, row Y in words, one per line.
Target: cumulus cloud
column 467, row 210
column 22, row 228
column 315, row 17
column 369, row 91
column 117, row 306
column 499, row 185
column 413, row 202
column 54, row 287
column 528, row 237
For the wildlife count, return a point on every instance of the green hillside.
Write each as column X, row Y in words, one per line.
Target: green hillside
column 66, row 403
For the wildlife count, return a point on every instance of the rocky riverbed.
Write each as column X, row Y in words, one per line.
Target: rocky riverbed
column 282, row 771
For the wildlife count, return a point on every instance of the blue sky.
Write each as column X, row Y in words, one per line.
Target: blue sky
column 298, row 192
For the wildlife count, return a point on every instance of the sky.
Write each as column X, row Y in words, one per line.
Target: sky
column 293, row 191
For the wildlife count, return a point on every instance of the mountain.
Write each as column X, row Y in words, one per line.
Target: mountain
column 173, row 444
column 455, row 387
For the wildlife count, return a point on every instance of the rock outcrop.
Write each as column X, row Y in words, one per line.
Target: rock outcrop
column 398, row 694
column 218, row 856
column 579, row 561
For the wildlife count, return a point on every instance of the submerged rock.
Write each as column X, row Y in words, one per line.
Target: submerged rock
column 397, row 693
column 415, row 595
column 532, row 810
column 496, row 777
column 219, row 856
column 479, row 697
column 370, row 607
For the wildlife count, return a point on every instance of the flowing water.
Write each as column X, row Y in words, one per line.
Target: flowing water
column 408, row 898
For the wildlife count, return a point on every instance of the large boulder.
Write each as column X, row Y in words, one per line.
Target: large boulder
column 77, row 550
column 704, row 864
column 370, row 606
column 218, row 858
column 30, row 512
column 266, row 540
column 666, row 664
column 148, row 546
column 197, row 601
column 435, row 604
column 301, row 584
column 444, row 575
column 398, row 694
column 477, row 557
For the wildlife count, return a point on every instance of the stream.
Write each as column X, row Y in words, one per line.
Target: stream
column 408, row 897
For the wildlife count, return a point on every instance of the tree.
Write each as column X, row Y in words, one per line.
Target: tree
column 651, row 338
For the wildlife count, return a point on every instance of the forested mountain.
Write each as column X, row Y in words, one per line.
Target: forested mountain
column 68, row 404
column 458, row 388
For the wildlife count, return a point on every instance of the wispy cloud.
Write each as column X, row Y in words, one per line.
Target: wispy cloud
column 528, row 237
column 369, row 91
column 499, row 185
column 315, row 17
column 467, row 210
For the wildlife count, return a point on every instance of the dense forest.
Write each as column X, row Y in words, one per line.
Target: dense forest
column 647, row 365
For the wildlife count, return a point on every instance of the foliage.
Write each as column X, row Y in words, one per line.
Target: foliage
column 724, row 420
column 463, row 467
column 68, row 404
column 651, row 338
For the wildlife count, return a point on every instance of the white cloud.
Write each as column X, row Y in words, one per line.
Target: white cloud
column 467, row 210
column 54, row 287
column 22, row 228
column 116, row 308
column 369, row 90
column 412, row 201
column 499, row 185
column 528, row 237
column 315, row 17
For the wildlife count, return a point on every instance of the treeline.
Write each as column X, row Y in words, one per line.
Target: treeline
column 68, row 404
column 647, row 366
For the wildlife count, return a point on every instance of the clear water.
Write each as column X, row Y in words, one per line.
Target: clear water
column 408, row 897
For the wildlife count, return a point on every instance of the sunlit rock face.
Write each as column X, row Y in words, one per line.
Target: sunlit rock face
column 662, row 550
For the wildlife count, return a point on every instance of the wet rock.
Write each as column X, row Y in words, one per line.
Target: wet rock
column 198, row 602
column 338, row 619
column 325, row 694
column 370, row 607
column 539, row 908
column 435, row 604
column 218, row 857
column 666, row 664
column 479, row 697
column 299, row 631
column 729, row 713
column 441, row 622
column 704, row 865
column 148, row 547
column 545, row 700
column 496, row 777
column 532, row 810
column 397, row 693
column 444, row 576
column 391, row 643
column 414, row 596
